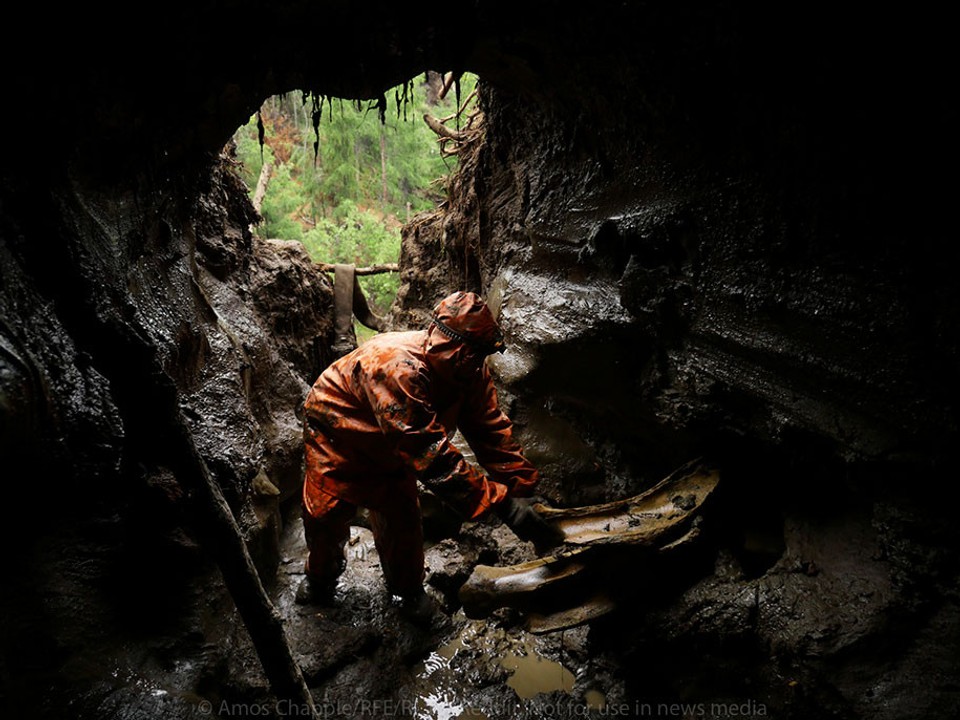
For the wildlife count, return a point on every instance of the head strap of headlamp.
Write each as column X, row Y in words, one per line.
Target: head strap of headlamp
column 496, row 346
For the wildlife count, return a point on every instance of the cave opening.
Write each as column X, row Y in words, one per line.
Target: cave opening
column 343, row 177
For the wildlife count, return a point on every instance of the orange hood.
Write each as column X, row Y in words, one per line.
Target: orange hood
column 462, row 333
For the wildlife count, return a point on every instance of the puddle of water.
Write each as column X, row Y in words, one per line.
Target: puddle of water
column 595, row 699
column 534, row 674
column 443, row 695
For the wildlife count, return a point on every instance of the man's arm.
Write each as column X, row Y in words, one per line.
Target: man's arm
column 489, row 432
column 408, row 419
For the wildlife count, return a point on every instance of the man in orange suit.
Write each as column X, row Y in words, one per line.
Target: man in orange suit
column 380, row 419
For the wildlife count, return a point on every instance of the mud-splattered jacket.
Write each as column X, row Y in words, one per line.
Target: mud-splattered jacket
column 382, row 417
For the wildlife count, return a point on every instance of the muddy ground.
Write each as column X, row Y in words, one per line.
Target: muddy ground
column 362, row 658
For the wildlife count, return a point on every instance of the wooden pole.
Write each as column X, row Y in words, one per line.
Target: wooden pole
column 222, row 536
column 371, row 270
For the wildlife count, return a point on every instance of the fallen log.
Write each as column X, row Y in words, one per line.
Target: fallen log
column 369, row 270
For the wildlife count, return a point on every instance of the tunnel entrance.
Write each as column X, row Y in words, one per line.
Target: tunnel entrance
column 342, row 177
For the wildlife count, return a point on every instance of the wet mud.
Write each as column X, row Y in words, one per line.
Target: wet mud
column 362, row 658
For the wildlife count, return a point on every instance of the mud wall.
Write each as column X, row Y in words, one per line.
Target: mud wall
column 126, row 322
column 721, row 244
column 721, row 256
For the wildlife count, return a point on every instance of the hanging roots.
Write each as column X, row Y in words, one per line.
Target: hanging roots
column 452, row 140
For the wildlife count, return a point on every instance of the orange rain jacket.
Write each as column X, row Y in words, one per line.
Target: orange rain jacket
column 382, row 417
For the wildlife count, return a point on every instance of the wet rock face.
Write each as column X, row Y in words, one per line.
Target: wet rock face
column 239, row 328
column 648, row 293
column 717, row 264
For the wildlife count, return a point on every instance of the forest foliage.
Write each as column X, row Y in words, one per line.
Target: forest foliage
column 344, row 186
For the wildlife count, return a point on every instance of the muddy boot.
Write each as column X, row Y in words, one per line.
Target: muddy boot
column 311, row 592
column 419, row 608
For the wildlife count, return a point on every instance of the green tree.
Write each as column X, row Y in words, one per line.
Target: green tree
column 345, row 186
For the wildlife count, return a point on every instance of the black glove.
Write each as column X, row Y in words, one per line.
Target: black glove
column 528, row 525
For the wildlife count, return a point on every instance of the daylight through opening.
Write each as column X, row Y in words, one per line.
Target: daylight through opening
column 342, row 178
